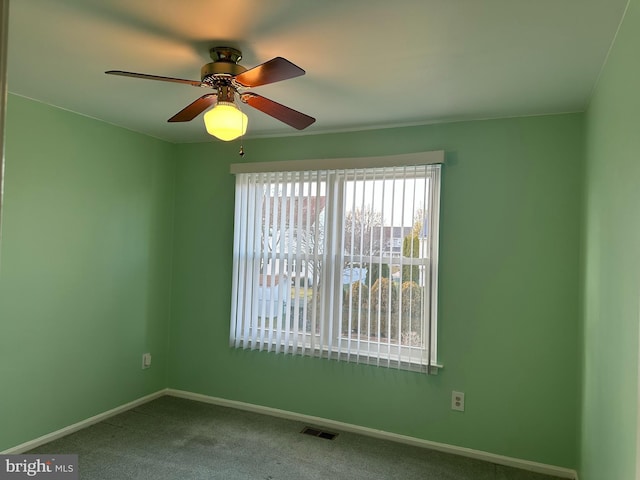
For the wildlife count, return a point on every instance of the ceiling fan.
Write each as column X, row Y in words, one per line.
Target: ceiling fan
column 228, row 78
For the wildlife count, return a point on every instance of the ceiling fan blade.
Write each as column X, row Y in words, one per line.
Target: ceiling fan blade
column 274, row 70
column 194, row 83
column 287, row 115
column 194, row 109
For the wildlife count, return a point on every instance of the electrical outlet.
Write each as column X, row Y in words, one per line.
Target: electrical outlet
column 146, row 360
column 457, row 401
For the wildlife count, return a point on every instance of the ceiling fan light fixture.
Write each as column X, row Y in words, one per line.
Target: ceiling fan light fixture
column 230, row 80
column 225, row 121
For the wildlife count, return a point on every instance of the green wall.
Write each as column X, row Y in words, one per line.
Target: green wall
column 116, row 243
column 510, row 291
column 612, row 285
column 86, row 268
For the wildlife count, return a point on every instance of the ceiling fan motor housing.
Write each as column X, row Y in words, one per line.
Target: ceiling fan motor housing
column 225, row 64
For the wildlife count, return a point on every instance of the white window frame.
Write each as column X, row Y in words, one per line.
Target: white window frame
column 329, row 341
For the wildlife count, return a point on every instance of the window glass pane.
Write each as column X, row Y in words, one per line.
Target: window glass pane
column 384, row 275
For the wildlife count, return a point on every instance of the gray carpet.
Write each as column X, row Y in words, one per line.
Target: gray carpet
column 175, row 439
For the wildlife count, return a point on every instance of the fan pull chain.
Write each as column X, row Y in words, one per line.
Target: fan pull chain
column 241, row 152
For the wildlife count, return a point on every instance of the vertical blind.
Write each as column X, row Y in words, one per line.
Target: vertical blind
column 338, row 263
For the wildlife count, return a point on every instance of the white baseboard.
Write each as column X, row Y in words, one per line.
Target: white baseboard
column 370, row 432
column 49, row 437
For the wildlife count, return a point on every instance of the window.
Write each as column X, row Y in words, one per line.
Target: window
column 338, row 263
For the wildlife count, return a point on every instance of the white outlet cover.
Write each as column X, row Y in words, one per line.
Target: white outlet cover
column 146, row 360
column 457, row 401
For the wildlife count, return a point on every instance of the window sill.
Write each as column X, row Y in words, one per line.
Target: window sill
column 345, row 356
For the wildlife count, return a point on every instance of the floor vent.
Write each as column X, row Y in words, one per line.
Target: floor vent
column 314, row 432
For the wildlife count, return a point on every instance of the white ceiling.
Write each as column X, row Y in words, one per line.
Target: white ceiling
column 369, row 63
